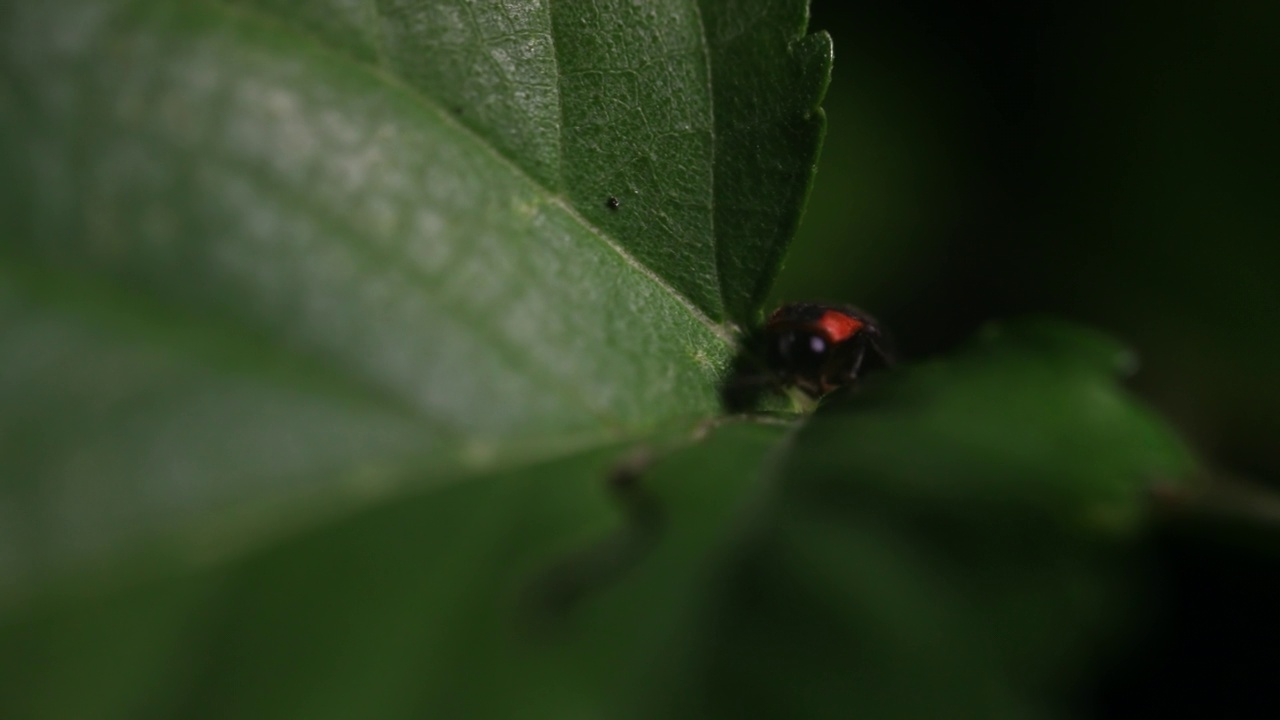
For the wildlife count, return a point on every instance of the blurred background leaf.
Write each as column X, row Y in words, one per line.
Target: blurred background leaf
column 770, row 570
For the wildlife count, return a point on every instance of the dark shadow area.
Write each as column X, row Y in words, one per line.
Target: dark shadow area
column 556, row 591
column 1109, row 164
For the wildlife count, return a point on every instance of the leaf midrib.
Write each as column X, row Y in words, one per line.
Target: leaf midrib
column 715, row 153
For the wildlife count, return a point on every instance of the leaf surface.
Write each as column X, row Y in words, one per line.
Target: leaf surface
column 701, row 118
column 283, row 255
column 768, row 569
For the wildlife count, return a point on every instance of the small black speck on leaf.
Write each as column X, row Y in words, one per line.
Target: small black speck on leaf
column 612, row 203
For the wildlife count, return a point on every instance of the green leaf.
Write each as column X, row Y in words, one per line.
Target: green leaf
column 1028, row 419
column 950, row 541
column 701, row 118
column 897, row 555
column 266, row 259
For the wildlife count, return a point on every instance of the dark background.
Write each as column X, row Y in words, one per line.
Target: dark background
column 1112, row 164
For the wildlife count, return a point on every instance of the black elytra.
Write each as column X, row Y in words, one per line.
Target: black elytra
column 814, row 347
